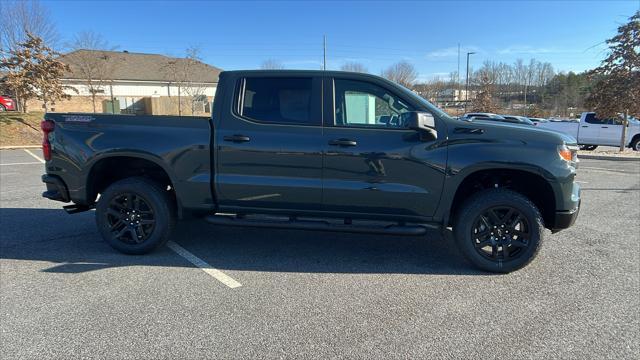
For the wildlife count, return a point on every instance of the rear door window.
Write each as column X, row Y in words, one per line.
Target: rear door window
column 592, row 119
column 279, row 100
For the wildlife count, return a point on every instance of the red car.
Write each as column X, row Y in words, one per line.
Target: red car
column 7, row 104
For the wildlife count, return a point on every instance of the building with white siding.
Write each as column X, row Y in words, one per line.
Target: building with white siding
column 136, row 83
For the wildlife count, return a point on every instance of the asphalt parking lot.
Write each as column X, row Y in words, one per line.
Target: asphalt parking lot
column 66, row 294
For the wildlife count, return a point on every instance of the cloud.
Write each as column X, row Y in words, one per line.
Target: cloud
column 451, row 52
column 526, row 49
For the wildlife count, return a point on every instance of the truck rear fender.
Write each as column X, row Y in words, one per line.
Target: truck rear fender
column 113, row 166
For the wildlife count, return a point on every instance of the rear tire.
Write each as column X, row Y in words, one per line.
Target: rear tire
column 588, row 147
column 135, row 215
column 2, row 108
column 499, row 230
column 635, row 144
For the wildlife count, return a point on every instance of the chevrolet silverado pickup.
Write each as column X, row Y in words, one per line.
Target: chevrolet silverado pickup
column 317, row 150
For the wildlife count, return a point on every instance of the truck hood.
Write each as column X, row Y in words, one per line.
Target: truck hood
column 523, row 132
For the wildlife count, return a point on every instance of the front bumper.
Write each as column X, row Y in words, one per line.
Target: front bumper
column 566, row 218
column 56, row 188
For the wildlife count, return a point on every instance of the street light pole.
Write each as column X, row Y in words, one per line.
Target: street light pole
column 466, row 90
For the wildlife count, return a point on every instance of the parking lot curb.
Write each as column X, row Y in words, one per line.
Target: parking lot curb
column 607, row 157
column 15, row 147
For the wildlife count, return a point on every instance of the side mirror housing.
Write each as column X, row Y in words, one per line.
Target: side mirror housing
column 420, row 120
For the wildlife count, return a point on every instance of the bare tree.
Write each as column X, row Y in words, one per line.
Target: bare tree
column 19, row 17
column 432, row 90
column 182, row 72
column 403, row 73
column 92, row 61
column 483, row 102
column 354, row 67
column 272, row 64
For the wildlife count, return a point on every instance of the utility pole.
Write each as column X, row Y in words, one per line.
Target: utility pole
column 458, row 73
column 524, row 109
column 466, row 90
column 324, row 52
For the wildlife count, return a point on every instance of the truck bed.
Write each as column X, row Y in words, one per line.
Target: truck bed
column 179, row 144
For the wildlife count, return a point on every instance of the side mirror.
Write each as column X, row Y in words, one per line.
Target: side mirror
column 420, row 120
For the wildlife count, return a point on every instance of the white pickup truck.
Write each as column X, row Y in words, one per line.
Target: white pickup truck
column 591, row 131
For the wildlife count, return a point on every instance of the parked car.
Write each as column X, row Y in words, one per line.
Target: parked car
column 518, row 119
column 6, row 103
column 316, row 150
column 536, row 121
column 495, row 117
column 591, row 131
column 481, row 116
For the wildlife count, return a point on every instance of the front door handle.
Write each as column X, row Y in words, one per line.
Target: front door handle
column 585, row 126
column 237, row 138
column 343, row 142
column 604, row 127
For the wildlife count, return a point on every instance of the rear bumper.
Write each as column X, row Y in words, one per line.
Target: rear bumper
column 56, row 188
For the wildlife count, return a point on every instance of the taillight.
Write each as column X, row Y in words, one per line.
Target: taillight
column 47, row 127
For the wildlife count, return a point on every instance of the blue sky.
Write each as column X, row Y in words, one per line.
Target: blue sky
column 241, row 35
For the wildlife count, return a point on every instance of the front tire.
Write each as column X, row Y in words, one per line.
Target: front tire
column 635, row 144
column 135, row 215
column 499, row 230
column 588, row 147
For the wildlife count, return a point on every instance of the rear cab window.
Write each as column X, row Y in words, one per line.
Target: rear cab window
column 592, row 119
column 279, row 100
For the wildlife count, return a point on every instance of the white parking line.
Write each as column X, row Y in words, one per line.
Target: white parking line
column 22, row 163
column 34, row 155
column 596, row 169
column 204, row 266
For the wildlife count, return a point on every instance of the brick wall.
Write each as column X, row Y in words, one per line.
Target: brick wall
column 162, row 105
column 75, row 104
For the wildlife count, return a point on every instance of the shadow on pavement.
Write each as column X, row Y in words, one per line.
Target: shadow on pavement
column 72, row 243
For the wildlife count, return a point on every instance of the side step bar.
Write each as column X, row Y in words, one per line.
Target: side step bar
column 74, row 209
column 318, row 225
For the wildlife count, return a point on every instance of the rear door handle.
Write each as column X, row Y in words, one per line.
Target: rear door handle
column 343, row 142
column 237, row 138
column 585, row 126
column 604, row 127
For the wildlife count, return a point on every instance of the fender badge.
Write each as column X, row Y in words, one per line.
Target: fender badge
column 78, row 118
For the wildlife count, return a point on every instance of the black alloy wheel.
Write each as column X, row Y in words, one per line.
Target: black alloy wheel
column 500, row 232
column 136, row 215
column 130, row 218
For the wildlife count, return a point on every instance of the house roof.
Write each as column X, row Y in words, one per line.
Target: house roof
column 124, row 65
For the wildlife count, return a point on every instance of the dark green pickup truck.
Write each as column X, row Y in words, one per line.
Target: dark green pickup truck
column 317, row 150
